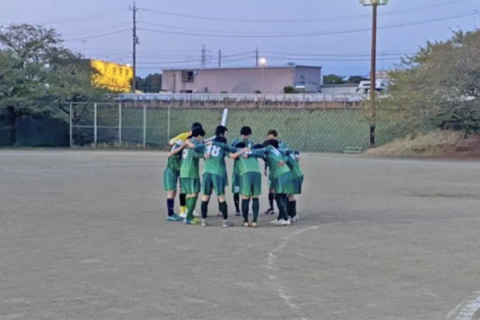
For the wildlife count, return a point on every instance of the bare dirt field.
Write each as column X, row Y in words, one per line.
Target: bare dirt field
column 83, row 236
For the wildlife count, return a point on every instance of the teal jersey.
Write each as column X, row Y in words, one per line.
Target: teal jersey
column 272, row 158
column 215, row 164
column 175, row 161
column 248, row 144
column 190, row 162
column 294, row 166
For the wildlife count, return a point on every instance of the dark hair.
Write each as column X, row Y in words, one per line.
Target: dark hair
column 221, row 130
column 271, row 142
column 220, row 139
column 196, row 125
column 240, row 144
column 246, row 131
column 273, row 133
column 258, row 146
column 198, row 132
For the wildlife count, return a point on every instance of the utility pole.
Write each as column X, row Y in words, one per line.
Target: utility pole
column 219, row 58
column 373, row 66
column 135, row 42
column 204, row 57
column 256, row 57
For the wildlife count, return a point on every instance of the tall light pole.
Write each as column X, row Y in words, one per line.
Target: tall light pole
column 373, row 67
column 263, row 62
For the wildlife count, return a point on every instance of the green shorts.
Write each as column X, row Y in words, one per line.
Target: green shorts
column 297, row 185
column 251, row 184
column 282, row 184
column 170, row 178
column 213, row 182
column 236, row 183
column 190, row 185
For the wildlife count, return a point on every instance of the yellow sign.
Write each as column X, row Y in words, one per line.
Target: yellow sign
column 112, row 76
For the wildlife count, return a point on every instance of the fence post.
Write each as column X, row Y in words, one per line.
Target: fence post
column 71, row 124
column 144, row 126
column 95, row 129
column 119, row 123
column 168, row 123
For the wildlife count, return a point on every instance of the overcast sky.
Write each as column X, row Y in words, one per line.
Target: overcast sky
column 340, row 41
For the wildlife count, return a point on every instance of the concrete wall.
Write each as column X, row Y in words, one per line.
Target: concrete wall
column 338, row 89
column 232, row 80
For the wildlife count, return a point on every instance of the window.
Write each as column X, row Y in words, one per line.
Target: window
column 187, row 76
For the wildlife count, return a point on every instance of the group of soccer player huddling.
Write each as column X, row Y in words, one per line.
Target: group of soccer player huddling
column 285, row 176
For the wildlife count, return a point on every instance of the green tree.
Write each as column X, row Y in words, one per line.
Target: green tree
column 356, row 79
column 438, row 87
column 333, row 79
column 151, row 83
column 289, row 89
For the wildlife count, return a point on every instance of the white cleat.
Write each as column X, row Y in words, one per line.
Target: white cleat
column 183, row 215
column 196, row 214
column 281, row 223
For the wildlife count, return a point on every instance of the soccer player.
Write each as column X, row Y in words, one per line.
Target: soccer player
column 250, row 178
column 214, row 177
column 184, row 136
column 170, row 178
column 297, row 181
column 189, row 174
column 281, row 178
column 245, row 134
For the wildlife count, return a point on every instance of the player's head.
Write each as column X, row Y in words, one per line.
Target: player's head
column 272, row 134
column 220, row 139
column 198, row 133
column 246, row 132
column 240, row 145
column 221, row 131
column 271, row 142
column 196, row 125
column 258, row 146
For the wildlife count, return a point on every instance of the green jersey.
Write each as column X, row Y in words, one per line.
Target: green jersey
column 272, row 158
column 294, row 166
column 248, row 144
column 190, row 162
column 174, row 161
column 215, row 164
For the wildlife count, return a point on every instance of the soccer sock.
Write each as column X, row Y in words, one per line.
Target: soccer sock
column 290, row 208
column 270, row 200
column 224, row 209
column 282, row 212
column 204, row 209
column 256, row 209
column 170, row 205
column 191, row 202
column 236, row 199
column 183, row 202
column 294, row 208
column 245, row 205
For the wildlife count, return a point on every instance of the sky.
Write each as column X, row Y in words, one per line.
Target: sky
column 334, row 34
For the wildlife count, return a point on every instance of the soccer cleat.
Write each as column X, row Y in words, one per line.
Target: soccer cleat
column 246, row 224
column 270, row 211
column 286, row 222
column 281, row 223
column 237, row 214
column 190, row 222
column 183, row 215
column 196, row 214
column 204, row 223
column 254, row 225
column 274, row 221
column 174, row 218
column 196, row 220
column 227, row 224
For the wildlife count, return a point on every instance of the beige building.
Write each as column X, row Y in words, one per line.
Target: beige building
column 242, row 80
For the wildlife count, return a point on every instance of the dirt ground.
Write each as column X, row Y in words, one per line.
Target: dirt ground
column 83, row 236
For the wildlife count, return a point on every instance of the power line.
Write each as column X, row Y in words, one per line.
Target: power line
column 294, row 20
column 314, row 34
column 97, row 36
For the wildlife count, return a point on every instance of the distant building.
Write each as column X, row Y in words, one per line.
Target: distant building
column 242, row 79
column 340, row 89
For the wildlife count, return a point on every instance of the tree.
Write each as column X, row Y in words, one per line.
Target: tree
column 356, row 79
column 151, row 83
column 289, row 89
column 438, row 87
column 333, row 79
column 37, row 73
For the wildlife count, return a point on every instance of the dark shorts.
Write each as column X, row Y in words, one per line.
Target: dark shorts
column 190, row 185
column 236, row 183
column 251, row 184
column 297, row 185
column 282, row 184
column 170, row 179
column 213, row 182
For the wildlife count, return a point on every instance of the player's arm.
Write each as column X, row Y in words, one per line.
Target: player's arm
column 177, row 150
column 239, row 153
column 225, row 147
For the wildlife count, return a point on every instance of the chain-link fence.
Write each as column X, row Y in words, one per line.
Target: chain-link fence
column 149, row 124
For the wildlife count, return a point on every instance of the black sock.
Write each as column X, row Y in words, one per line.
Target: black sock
column 183, row 201
column 170, row 205
column 245, row 205
column 294, row 208
column 236, row 199
column 224, row 209
column 256, row 209
column 290, row 208
column 282, row 211
column 204, row 209
column 270, row 200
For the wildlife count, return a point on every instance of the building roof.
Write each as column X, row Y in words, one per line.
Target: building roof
column 241, row 68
